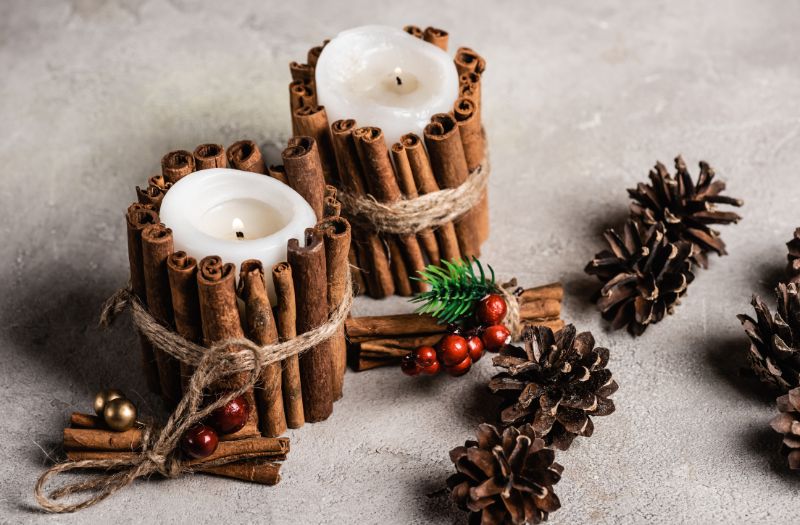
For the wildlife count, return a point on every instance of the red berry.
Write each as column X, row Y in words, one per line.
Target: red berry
column 492, row 309
column 230, row 417
column 200, row 441
column 461, row 368
column 475, row 347
column 453, row 349
column 433, row 368
column 425, row 356
column 496, row 337
column 409, row 365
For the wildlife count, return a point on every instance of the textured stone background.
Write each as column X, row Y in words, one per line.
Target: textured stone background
column 580, row 99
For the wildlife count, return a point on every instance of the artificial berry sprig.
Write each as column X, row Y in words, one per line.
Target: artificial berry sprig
column 202, row 440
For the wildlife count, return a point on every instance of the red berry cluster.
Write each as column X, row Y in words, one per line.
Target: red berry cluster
column 201, row 440
column 461, row 347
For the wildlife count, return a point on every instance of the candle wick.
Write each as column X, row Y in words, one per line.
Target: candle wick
column 240, row 235
column 399, row 81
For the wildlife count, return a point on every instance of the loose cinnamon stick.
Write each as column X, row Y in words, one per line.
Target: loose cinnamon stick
column 79, row 420
column 278, row 172
column 182, row 272
column 405, row 178
column 302, row 72
column 244, row 155
column 472, row 139
column 99, row 439
column 208, row 156
column 383, row 186
column 137, row 218
column 304, row 172
column 151, row 194
column 468, row 61
column 261, row 329
column 413, row 31
column 311, row 291
column 426, row 183
column 175, row 165
column 545, row 308
column 219, row 315
column 312, row 121
column 547, row 291
column 156, row 248
column 259, row 471
column 336, row 235
column 450, row 168
column 383, row 326
column 437, row 37
column 286, row 318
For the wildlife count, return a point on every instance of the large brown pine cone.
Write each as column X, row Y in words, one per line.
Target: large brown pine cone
column 687, row 208
column 643, row 274
column 788, row 424
column 505, row 479
column 793, row 255
column 775, row 340
column 555, row 383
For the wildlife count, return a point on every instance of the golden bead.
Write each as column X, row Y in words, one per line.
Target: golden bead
column 120, row 414
column 103, row 397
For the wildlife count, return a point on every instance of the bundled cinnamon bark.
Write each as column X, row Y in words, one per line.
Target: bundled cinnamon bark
column 278, row 172
column 385, row 340
column 437, row 37
column 208, row 156
column 468, row 61
column 312, row 121
column 177, row 164
column 472, row 139
column 182, row 272
column 304, row 172
column 286, row 318
column 151, row 194
column 413, row 31
column 244, row 155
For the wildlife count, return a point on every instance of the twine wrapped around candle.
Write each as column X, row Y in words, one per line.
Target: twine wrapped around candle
column 160, row 447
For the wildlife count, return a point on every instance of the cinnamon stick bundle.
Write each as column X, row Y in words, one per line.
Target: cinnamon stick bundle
column 303, row 72
column 437, row 37
column 304, row 172
column 219, row 315
column 311, row 291
column 301, row 94
column 472, row 139
column 286, row 318
column 158, row 181
column 177, row 164
column 182, row 273
column 244, row 155
column 312, row 121
column 151, row 194
column 413, row 31
column 278, row 172
column 468, row 61
column 208, row 156
column 137, row 218
column 443, row 139
column 470, row 87
column 262, row 330
column 156, row 248
column 335, row 232
column 382, row 184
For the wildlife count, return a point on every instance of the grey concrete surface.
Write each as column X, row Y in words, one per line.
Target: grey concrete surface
column 580, row 99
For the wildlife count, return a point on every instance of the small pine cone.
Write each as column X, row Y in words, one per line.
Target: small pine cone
column 793, row 267
column 555, row 383
column 505, row 479
column 788, row 424
column 685, row 207
column 775, row 340
column 643, row 274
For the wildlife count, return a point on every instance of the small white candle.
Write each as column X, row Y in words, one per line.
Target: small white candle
column 237, row 215
column 384, row 77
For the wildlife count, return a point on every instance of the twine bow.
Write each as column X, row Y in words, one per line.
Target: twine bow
column 160, row 447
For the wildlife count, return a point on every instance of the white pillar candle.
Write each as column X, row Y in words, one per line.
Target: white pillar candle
column 384, row 77
column 237, row 215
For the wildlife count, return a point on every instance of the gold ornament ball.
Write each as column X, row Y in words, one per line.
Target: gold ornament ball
column 103, row 397
column 120, row 414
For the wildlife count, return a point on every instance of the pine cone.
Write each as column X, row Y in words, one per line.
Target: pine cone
column 775, row 340
column 505, row 479
column 644, row 275
column 555, row 383
column 686, row 208
column 788, row 424
column 793, row 267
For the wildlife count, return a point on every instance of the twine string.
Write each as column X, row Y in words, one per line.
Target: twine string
column 512, row 320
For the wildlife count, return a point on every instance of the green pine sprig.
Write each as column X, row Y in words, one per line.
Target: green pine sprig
column 455, row 289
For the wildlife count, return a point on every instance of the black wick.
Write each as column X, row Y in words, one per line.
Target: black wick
column 399, row 82
column 240, row 235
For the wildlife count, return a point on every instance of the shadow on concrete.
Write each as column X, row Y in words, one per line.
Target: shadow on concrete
column 726, row 359
column 766, row 443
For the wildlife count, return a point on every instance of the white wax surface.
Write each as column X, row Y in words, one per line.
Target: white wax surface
column 206, row 209
column 357, row 78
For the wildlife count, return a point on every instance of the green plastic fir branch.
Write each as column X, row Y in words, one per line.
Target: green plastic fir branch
column 455, row 289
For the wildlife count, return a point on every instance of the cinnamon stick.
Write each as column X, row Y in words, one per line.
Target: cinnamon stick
column 302, row 72
column 137, row 218
column 541, row 309
column 244, row 155
column 472, row 139
column 259, row 471
column 98, row 439
column 182, row 273
column 156, row 248
column 470, row 87
column 313, row 55
column 312, row 121
column 301, row 94
column 468, row 61
column 286, row 318
column 152, row 195
column 220, row 320
column 405, row 178
column 450, row 168
column 335, row 232
column 437, row 37
column 426, row 183
column 262, row 330
column 311, row 292
column 400, row 272
column 79, row 420
column 278, row 172
column 208, row 156
column 158, row 181
column 333, row 208
column 547, row 291
column 175, row 165
column 413, row 31
column 304, row 172
column 383, row 326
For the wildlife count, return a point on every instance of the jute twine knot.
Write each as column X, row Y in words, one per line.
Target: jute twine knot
column 511, row 293
column 410, row 216
column 160, row 451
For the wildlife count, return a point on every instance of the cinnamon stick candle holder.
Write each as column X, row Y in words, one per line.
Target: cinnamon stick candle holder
column 417, row 201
